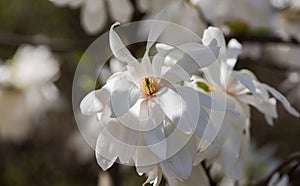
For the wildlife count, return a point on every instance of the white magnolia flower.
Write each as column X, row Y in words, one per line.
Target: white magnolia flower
column 188, row 16
column 94, row 14
column 243, row 90
column 146, row 115
column 26, row 89
column 254, row 13
column 287, row 17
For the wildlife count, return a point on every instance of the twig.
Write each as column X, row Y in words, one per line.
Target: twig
column 262, row 62
column 58, row 45
column 262, row 39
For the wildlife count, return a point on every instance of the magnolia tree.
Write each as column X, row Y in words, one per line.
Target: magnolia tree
column 158, row 89
column 179, row 111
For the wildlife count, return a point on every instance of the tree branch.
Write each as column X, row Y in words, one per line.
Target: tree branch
column 58, row 45
column 262, row 39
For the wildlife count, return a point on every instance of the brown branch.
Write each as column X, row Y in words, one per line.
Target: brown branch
column 57, row 45
column 262, row 39
column 267, row 63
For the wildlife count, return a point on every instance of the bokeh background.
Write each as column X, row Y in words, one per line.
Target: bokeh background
column 46, row 158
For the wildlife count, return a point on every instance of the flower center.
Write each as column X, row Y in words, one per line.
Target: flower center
column 149, row 86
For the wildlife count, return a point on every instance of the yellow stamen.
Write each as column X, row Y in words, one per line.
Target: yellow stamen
column 149, row 86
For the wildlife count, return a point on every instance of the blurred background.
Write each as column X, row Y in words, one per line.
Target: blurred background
column 38, row 134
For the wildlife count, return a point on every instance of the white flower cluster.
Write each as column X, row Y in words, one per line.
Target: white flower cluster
column 276, row 16
column 167, row 113
column 26, row 89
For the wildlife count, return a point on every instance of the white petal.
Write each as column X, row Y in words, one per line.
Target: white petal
column 151, row 115
column 127, row 143
column 266, row 106
column 115, row 65
column 182, row 116
column 106, row 148
column 144, row 157
column 124, row 96
column 137, row 72
column 198, row 57
column 93, row 16
column 233, row 51
column 212, row 33
column 212, row 74
column 157, row 27
column 205, row 127
column 230, row 157
column 154, row 177
column 156, row 142
column 176, row 74
column 178, row 166
column 208, row 102
column 131, row 119
column 157, row 62
column 118, row 48
column 282, row 99
column 161, row 47
column 246, row 80
column 115, row 140
column 120, row 10
column 94, row 102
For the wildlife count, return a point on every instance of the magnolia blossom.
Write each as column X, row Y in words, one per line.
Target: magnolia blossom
column 93, row 12
column 243, row 90
column 148, row 118
column 287, row 17
column 26, row 89
column 188, row 17
column 254, row 13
